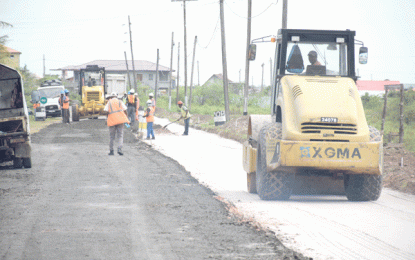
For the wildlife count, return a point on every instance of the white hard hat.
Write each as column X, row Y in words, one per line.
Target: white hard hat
column 151, row 95
column 149, row 102
column 132, row 91
column 113, row 94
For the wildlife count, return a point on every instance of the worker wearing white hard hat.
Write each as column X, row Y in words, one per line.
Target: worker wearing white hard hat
column 153, row 102
column 149, row 115
column 133, row 104
column 117, row 117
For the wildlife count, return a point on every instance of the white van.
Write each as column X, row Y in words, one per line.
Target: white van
column 49, row 92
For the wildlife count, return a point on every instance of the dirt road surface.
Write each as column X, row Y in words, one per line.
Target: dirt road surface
column 76, row 202
column 321, row 227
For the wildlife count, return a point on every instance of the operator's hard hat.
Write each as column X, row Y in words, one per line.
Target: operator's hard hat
column 312, row 53
column 131, row 91
column 149, row 102
column 151, row 95
column 113, row 94
column 62, row 92
column 180, row 103
column 66, row 91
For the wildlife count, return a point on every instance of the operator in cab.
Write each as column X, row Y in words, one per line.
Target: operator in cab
column 312, row 57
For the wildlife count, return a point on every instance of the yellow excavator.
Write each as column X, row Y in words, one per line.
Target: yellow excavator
column 92, row 90
column 316, row 139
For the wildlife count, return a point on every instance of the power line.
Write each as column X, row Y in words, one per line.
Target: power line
column 244, row 17
column 213, row 35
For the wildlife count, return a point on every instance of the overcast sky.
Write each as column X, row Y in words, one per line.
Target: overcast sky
column 75, row 32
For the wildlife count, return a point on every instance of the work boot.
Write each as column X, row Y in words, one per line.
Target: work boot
column 120, row 151
column 148, row 138
column 153, row 137
column 111, row 152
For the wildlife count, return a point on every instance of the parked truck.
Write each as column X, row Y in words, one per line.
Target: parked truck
column 316, row 135
column 47, row 94
column 14, row 120
column 116, row 83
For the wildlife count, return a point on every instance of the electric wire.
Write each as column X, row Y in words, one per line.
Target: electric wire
column 255, row 16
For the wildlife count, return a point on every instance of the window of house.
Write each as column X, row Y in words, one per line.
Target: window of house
column 150, row 76
column 164, row 75
column 12, row 56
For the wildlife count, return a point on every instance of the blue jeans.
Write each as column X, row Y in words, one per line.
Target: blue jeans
column 186, row 126
column 131, row 114
column 150, row 129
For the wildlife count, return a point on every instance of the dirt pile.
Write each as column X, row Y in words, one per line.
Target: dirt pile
column 397, row 176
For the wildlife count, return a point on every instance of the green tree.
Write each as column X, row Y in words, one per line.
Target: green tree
column 3, row 39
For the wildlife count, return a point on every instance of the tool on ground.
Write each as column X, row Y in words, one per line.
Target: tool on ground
column 171, row 123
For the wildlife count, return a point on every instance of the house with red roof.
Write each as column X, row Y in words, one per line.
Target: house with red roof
column 373, row 87
column 12, row 58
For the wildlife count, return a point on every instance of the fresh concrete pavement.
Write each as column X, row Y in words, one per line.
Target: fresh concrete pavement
column 322, row 227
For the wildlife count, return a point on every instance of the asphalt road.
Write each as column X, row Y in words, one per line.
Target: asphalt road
column 76, row 202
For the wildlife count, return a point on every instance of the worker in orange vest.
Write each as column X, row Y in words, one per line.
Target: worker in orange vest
column 132, row 106
column 64, row 102
column 61, row 99
column 117, row 117
column 149, row 115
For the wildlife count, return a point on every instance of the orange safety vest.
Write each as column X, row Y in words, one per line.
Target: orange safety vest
column 150, row 117
column 36, row 105
column 131, row 99
column 66, row 104
column 116, row 114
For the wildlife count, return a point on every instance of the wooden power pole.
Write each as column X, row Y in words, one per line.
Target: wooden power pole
column 191, row 75
column 178, row 73
column 128, row 71
column 284, row 13
column 262, row 79
column 171, row 68
column 224, row 65
column 132, row 56
column 156, row 87
column 248, row 42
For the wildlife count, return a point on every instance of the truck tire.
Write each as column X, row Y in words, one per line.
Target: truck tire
column 27, row 162
column 364, row 187
column 275, row 185
column 17, row 163
column 75, row 113
column 251, row 182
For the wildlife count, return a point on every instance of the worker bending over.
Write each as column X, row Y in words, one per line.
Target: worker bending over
column 185, row 115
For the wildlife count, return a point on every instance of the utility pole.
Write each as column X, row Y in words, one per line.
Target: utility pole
column 248, row 42
column 128, row 71
column 132, row 56
column 157, row 76
column 262, row 79
column 191, row 75
column 171, row 68
column 178, row 74
column 44, row 66
column 224, row 65
column 284, row 14
column 270, row 71
column 185, row 51
column 198, row 75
